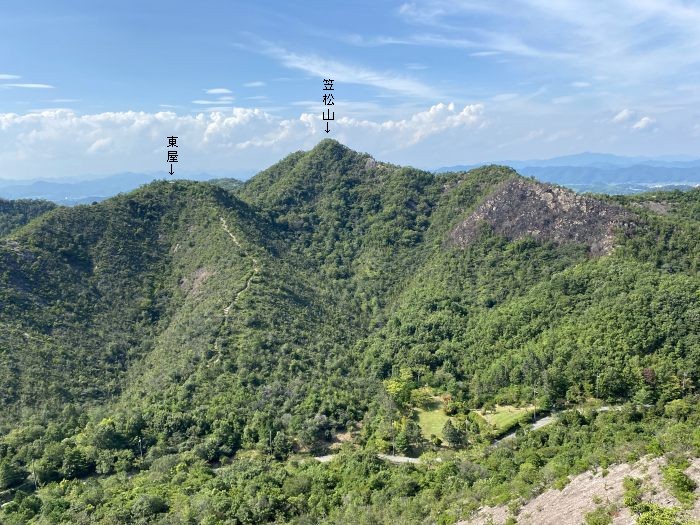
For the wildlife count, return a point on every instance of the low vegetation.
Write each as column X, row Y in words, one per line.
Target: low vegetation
column 504, row 418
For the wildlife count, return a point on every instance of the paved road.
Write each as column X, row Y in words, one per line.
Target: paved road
column 546, row 420
column 398, row 459
column 542, row 422
column 539, row 423
column 386, row 457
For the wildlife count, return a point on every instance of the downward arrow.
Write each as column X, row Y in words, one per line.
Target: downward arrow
column 171, row 169
column 327, row 128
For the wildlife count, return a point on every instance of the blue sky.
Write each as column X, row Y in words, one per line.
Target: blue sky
column 93, row 88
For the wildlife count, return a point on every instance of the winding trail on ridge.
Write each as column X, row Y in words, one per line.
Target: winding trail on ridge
column 253, row 272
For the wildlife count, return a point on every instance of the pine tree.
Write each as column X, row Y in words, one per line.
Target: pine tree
column 451, row 434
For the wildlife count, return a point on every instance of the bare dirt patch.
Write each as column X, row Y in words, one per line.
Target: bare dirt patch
column 192, row 284
column 587, row 491
column 520, row 208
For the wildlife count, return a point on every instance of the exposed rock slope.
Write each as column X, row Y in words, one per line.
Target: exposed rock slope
column 519, row 208
column 589, row 490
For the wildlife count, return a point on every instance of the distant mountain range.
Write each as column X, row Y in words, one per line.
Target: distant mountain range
column 605, row 173
column 87, row 191
column 584, row 172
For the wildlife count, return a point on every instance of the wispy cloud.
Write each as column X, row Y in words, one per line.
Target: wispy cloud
column 218, row 109
column 218, row 91
column 225, row 100
column 628, row 41
column 631, row 120
column 373, row 41
column 489, row 42
column 623, row 116
column 257, row 83
column 349, row 73
column 29, row 86
column 503, row 97
column 643, row 123
column 5, row 76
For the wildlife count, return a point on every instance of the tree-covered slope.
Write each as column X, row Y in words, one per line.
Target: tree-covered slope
column 169, row 349
column 86, row 289
column 16, row 213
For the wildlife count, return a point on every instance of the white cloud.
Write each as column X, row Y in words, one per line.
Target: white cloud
column 218, row 91
column 437, row 119
column 623, row 116
column 69, row 143
column 643, row 123
column 29, row 86
column 99, row 145
column 5, row 76
column 204, row 102
column 580, row 84
column 350, row 74
column 631, row 120
column 257, row 83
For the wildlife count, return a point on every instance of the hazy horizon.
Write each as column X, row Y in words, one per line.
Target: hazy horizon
column 246, row 174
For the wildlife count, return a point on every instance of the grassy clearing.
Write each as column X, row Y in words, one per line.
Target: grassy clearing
column 505, row 417
column 431, row 419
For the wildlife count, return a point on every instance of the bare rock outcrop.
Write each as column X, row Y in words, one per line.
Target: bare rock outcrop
column 587, row 491
column 521, row 208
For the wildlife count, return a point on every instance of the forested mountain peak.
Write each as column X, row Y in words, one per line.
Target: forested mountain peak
column 304, row 176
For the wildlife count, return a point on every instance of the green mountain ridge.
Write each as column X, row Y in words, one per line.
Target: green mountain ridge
column 16, row 213
column 150, row 337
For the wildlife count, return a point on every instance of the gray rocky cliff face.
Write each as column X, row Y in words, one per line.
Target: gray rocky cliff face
column 521, row 208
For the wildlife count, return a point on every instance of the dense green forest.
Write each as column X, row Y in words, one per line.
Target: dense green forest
column 14, row 214
column 180, row 353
